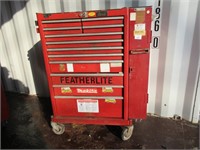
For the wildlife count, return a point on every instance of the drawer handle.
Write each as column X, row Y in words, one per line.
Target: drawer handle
column 88, row 97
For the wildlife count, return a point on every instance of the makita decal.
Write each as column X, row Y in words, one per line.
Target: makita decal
column 86, row 80
column 86, row 90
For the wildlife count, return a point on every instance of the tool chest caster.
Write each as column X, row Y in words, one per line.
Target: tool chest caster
column 127, row 132
column 58, row 128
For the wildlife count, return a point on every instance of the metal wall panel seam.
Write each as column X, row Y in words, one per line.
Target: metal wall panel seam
column 196, row 65
column 38, row 68
column 9, row 32
column 102, row 4
column 196, row 109
column 182, row 65
column 113, row 4
column 23, row 33
column 72, row 6
column 62, row 9
column 5, row 64
column 166, row 12
column 31, row 8
column 66, row 5
column 58, row 6
column 154, row 56
column 45, row 6
column 120, row 3
column 19, row 32
column 91, row 5
column 51, row 6
column 170, row 52
column 142, row 2
column 187, row 58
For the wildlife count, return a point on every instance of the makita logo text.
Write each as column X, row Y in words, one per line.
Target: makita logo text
column 82, row 90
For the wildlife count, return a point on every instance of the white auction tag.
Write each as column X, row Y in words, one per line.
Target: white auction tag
column 132, row 16
column 104, row 67
column 138, row 37
column 140, row 27
column 70, row 67
column 88, row 105
column 116, row 64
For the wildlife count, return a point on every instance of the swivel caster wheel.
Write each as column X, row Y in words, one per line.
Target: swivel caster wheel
column 58, row 128
column 127, row 132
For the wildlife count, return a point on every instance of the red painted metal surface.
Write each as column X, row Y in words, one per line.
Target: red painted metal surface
column 91, row 67
column 92, row 120
column 87, row 80
column 144, row 18
column 97, row 64
column 138, row 78
column 68, row 107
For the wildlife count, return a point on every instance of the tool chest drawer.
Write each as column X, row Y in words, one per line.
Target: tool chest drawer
column 87, row 79
column 89, row 107
column 85, row 57
column 80, row 90
column 86, row 66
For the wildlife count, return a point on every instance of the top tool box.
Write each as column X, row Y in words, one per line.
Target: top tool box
column 97, row 66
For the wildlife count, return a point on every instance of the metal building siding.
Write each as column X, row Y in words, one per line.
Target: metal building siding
column 174, row 66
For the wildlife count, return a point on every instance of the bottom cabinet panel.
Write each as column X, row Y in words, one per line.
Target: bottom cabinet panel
column 89, row 107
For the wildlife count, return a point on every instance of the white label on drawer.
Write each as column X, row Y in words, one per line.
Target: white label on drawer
column 133, row 16
column 104, row 67
column 140, row 27
column 138, row 37
column 115, row 64
column 88, row 105
column 70, row 67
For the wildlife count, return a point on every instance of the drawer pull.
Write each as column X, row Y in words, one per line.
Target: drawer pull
column 89, row 62
column 64, row 28
column 103, row 26
column 61, row 21
column 84, row 55
column 84, row 34
column 102, row 18
column 84, row 48
column 90, row 86
column 91, row 41
column 85, row 74
column 88, row 97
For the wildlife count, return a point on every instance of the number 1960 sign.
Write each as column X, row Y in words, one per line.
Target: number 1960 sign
column 156, row 25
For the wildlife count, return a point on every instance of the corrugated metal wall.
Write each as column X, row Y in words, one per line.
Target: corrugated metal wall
column 174, row 65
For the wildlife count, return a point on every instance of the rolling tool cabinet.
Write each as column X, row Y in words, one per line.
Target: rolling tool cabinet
column 97, row 66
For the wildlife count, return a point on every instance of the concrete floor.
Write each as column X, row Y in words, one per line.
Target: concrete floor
column 28, row 127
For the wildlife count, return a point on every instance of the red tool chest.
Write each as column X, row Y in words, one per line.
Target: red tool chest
column 97, row 66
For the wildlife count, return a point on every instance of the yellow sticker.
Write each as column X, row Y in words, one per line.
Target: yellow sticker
column 62, row 67
column 140, row 32
column 66, row 90
column 140, row 16
column 92, row 14
column 107, row 89
column 140, row 29
column 110, row 100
